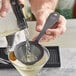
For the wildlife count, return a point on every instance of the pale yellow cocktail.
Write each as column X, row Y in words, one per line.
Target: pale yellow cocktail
column 29, row 70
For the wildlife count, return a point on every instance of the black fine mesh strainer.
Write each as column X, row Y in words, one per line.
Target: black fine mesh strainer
column 30, row 56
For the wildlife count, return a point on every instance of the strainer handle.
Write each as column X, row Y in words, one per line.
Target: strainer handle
column 51, row 20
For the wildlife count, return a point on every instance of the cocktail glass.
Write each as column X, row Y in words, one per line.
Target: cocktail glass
column 28, row 70
column 24, row 69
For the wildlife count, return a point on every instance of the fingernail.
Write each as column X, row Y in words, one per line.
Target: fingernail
column 39, row 28
column 3, row 14
column 48, row 32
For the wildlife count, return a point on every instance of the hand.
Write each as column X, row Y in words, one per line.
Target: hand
column 41, row 9
column 5, row 6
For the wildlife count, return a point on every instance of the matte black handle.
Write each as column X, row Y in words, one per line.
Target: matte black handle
column 51, row 20
column 17, row 9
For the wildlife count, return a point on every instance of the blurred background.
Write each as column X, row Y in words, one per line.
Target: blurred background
column 66, row 8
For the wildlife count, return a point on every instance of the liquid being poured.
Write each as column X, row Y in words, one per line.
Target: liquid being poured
column 29, row 56
column 27, row 41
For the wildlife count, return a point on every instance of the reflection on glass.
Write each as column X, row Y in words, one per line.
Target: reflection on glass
column 28, row 70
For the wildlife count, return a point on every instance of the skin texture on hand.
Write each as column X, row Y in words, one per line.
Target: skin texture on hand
column 51, row 34
column 41, row 10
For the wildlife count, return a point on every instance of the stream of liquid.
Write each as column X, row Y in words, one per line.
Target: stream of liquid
column 29, row 56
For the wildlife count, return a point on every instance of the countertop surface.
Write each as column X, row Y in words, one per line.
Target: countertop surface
column 68, row 66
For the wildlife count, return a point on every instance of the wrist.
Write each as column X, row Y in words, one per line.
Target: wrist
column 43, row 12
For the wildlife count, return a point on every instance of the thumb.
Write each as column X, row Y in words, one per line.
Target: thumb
column 39, row 24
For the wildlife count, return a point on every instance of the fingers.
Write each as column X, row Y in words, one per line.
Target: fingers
column 39, row 24
column 41, row 18
column 5, row 7
column 58, row 29
column 45, row 38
